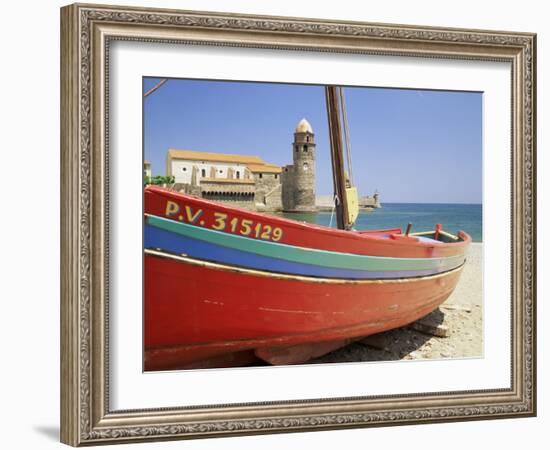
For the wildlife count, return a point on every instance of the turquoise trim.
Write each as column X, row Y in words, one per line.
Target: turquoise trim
column 302, row 255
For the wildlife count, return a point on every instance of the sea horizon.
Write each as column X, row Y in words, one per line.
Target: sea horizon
column 454, row 217
column 430, row 203
column 421, row 203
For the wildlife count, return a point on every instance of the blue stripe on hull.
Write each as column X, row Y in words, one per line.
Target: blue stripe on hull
column 156, row 238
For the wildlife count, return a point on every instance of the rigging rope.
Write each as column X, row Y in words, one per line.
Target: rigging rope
column 155, row 87
column 335, row 202
column 346, row 134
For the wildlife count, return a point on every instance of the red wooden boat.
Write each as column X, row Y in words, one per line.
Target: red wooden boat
column 225, row 286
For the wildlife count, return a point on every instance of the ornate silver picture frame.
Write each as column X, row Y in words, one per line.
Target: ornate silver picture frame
column 87, row 34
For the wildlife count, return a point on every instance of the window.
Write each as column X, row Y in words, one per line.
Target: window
column 305, row 148
column 237, row 175
column 203, row 172
column 261, row 175
column 307, row 138
column 184, row 169
column 276, row 176
column 296, row 148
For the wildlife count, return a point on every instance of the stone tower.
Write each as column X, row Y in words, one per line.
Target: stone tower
column 298, row 180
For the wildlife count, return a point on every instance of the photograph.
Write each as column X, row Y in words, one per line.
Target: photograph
column 293, row 224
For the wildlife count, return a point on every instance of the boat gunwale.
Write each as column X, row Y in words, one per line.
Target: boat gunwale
column 463, row 238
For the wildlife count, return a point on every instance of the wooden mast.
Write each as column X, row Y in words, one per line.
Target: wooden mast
column 337, row 156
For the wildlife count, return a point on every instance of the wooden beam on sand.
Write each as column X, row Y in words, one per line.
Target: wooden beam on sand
column 430, row 328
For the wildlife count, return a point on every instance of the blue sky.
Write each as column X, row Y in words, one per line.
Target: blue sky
column 411, row 145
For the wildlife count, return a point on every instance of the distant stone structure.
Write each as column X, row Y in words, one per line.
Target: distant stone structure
column 326, row 202
column 370, row 202
column 298, row 179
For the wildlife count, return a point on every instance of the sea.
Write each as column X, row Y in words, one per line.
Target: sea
column 422, row 216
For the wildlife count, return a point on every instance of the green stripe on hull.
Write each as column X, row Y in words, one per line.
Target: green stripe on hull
column 314, row 257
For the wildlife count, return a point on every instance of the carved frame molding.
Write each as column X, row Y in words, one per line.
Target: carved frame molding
column 86, row 32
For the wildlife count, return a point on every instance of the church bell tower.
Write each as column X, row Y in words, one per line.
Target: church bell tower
column 299, row 182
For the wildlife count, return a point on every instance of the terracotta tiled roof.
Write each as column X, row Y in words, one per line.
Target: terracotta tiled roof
column 254, row 163
column 264, row 168
column 214, row 157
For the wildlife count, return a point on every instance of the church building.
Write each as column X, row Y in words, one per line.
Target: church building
column 249, row 181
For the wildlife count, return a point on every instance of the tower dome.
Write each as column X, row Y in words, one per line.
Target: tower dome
column 304, row 127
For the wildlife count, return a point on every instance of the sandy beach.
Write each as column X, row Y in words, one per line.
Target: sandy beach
column 459, row 319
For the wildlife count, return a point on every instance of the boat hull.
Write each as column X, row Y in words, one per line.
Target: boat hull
column 196, row 310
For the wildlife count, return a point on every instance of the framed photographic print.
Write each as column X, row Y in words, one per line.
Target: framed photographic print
column 277, row 224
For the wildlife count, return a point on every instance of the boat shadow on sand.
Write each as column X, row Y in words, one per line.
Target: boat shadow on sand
column 393, row 345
